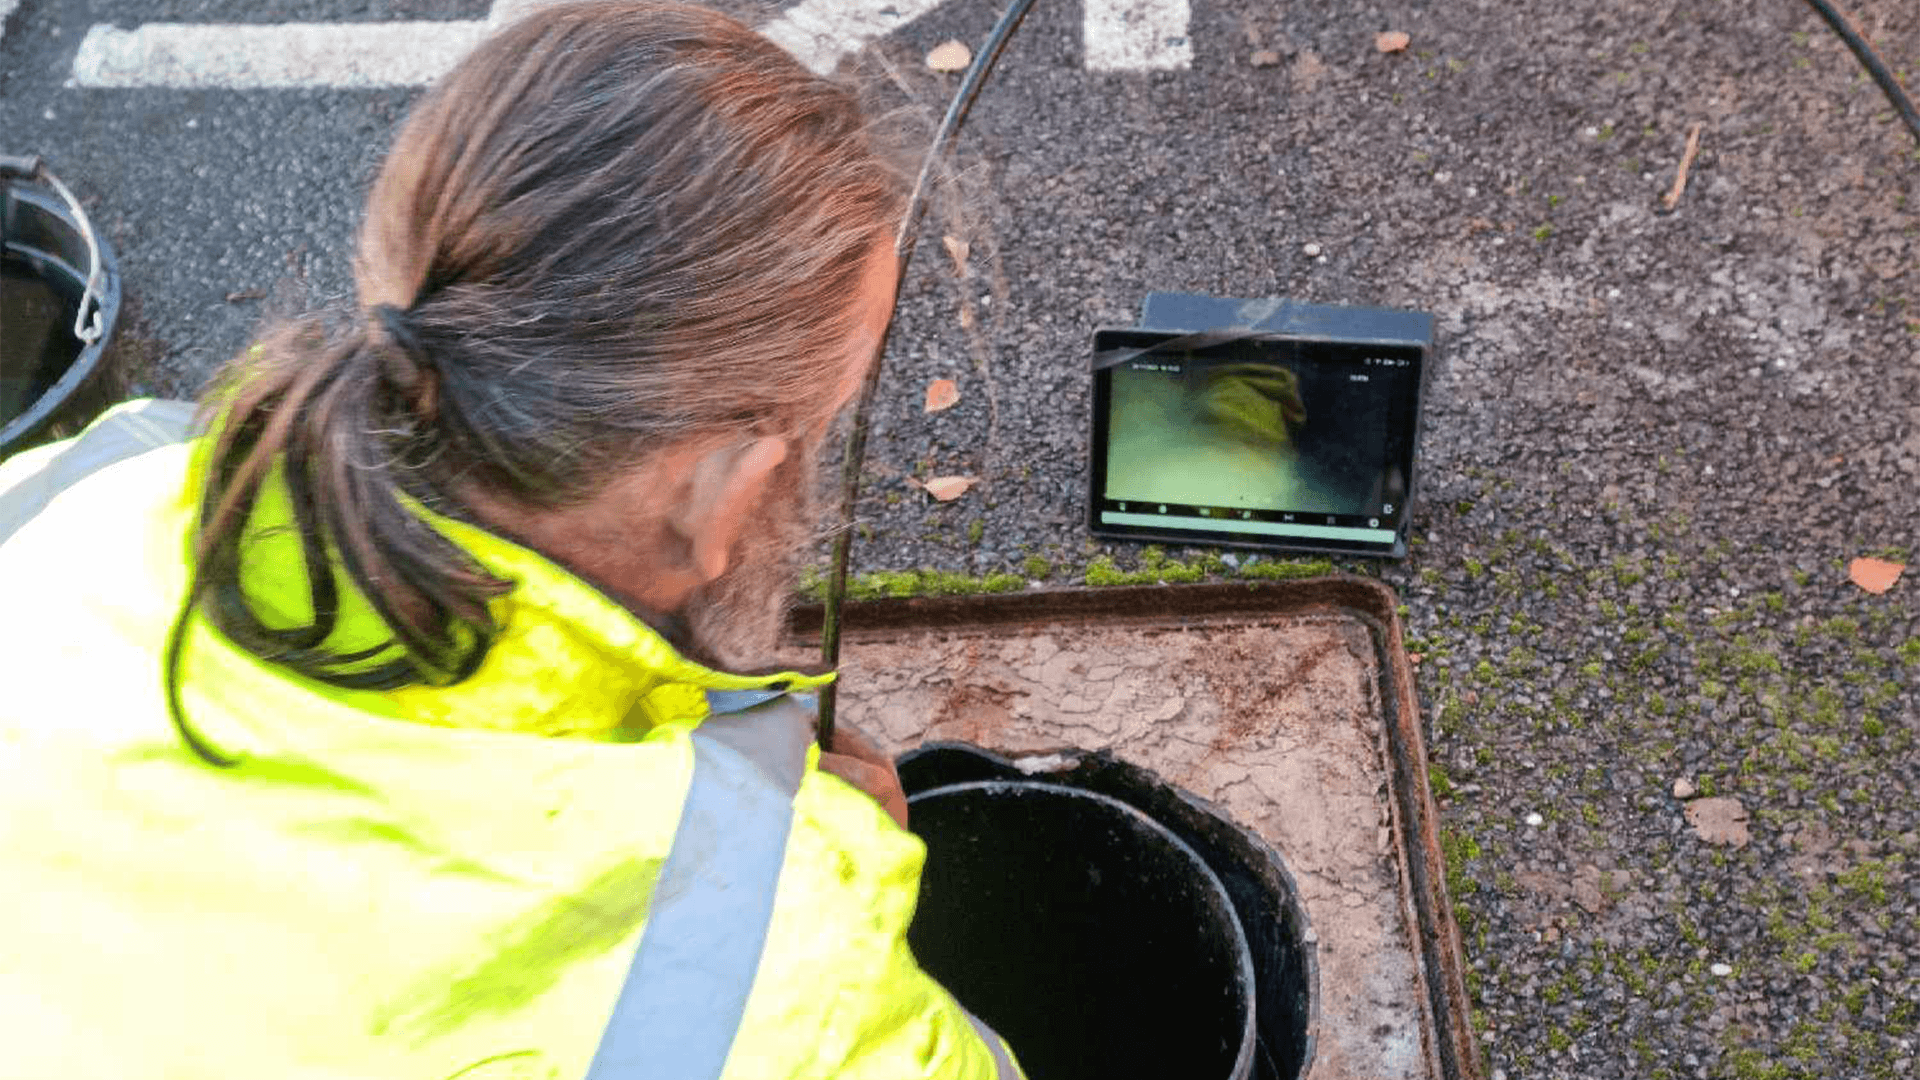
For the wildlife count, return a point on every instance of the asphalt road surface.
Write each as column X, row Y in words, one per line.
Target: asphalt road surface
column 1654, row 442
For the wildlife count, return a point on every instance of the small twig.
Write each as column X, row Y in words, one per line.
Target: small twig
column 1686, row 162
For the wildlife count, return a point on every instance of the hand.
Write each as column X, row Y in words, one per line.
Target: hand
column 860, row 762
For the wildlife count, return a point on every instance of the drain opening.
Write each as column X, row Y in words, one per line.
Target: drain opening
column 1082, row 936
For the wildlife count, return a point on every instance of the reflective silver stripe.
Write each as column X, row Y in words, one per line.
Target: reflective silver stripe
column 687, row 989
column 1004, row 1068
column 129, row 432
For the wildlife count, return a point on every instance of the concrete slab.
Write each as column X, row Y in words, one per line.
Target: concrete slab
column 1280, row 719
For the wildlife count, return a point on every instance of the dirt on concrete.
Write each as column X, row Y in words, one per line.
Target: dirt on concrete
column 1279, row 725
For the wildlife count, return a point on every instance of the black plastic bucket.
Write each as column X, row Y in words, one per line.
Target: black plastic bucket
column 1265, row 899
column 1095, row 941
column 59, row 299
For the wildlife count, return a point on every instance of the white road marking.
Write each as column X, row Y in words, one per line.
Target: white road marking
column 1121, row 35
column 289, row 55
column 6, row 12
column 1137, row 35
column 820, row 32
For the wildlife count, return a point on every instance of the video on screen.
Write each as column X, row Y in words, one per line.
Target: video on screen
column 1299, row 436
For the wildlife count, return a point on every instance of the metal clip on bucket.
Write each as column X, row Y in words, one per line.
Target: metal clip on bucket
column 46, row 234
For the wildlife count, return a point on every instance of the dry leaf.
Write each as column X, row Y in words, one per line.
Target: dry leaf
column 942, row 394
column 949, row 488
column 949, row 57
column 957, row 249
column 1719, row 820
column 1874, row 575
column 1265, row 58
column 1392, row 41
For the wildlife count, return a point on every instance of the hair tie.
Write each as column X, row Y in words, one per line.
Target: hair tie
column 407, row 366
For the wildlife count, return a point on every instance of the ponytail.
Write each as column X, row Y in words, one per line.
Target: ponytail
column 620, row 227
column 345, row 421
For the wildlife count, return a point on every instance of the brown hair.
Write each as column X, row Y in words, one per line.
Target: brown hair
column 613, row 227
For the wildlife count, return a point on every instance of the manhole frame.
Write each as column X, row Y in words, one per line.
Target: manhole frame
column 1426, row 908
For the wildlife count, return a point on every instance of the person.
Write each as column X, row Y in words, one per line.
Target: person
column 404, row 711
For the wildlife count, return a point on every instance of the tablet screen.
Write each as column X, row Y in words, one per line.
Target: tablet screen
column 1267, row 441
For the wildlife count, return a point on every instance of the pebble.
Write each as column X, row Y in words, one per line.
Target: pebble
column 1310, row 250
column 1683, row 789
column 1721, row 970
column 1534, row 820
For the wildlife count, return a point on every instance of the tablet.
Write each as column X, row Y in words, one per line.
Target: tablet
column 1254, row 439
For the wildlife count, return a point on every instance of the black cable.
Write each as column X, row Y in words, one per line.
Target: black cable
column 904, row 242
column 1881, row 74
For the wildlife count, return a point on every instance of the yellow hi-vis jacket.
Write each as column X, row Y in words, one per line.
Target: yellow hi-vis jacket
column 566, row 866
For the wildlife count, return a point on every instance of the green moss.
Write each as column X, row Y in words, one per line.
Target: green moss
column 1101, row 571
column 976, row 531
column 1286, row 569
column 1746, row 1063
column 1909, row 652
column 1175, row 571
column 1036, row 568
column 900, row 583
column 1868, row 880
column 1156, row 569
column 1826, row 706
column 1754, row 661
column 1841, row 627
column 1459, row 850
column 1855, row 999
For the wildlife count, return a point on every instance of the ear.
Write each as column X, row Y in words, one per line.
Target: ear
column 720, row 494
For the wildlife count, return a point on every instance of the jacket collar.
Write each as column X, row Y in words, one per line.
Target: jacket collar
column 568, row 661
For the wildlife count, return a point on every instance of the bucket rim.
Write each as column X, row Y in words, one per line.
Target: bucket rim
column 27, row 193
